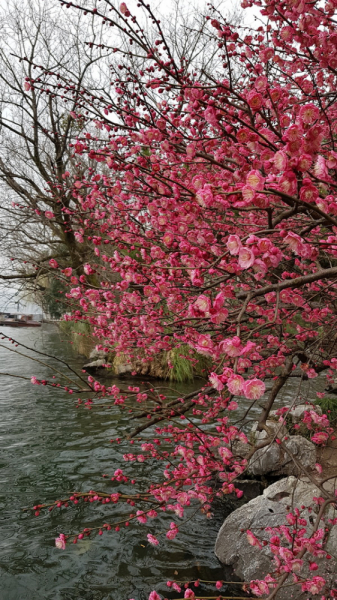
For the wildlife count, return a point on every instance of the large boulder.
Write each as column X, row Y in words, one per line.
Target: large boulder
column 274, row 460
column 269, row 510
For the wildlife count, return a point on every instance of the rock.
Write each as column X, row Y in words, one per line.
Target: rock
column 278, row 430
column 96, row 364
column 97, row 354
column 297, row 412
column 270, row 510
column 273, row 460
column 265, row 461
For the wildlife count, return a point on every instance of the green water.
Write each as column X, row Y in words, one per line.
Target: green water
column 49, row 448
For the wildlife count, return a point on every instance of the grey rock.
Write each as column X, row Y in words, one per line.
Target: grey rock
column 274, row 460
column 96, row 364
column 265, row 461
column 97, row 354
column 276, row 430
column 269, row 510
column 297, row 412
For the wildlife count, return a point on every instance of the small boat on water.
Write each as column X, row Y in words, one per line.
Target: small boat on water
column 17, row 320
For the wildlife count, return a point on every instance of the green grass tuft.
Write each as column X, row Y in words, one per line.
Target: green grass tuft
column 329, row 408
column 187, row 364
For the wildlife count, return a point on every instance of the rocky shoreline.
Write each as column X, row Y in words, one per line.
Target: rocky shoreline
column 269, row 509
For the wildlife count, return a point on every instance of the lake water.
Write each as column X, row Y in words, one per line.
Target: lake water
column 49, row 448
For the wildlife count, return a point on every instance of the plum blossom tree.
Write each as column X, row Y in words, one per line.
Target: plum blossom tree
column 219, row 213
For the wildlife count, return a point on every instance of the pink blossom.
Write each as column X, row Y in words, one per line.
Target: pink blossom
column 309, row 113
column 218, row 312
column 205, row 344
column 203, row 304
column 232, row 405
column 219, row 316
column 152, row 539
column 231, row 346
column 248, row 348
column 219, row 301
column 189, row 594
column 183, row 498
column 314, row 586
column 246, row 257
column 154, row 596
column 88, row 270
column 173, row 531
column 168, row 238
column 253, row 389
column 260, row 83
column 216, row 382
column 123, row 8
column 291, row 519
column 260, row 269
column 252, row 540
column 218, row 585
column 259, row 588
column 320, row 169
column 53, row 263
column 248, row 193
column 320, row 437
column 296, row 564
column 266, row 54
column 255, row 180
column 254, row 100
column 76, row 293
column 225, row 453
column 294, row 241
column 49, row 214
column 141, row 517
column 60, row 542
column 234, row 244
column 243, row 364
column 235, row 384
column 304, row 162
column 280, row 160
column 285, row 553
